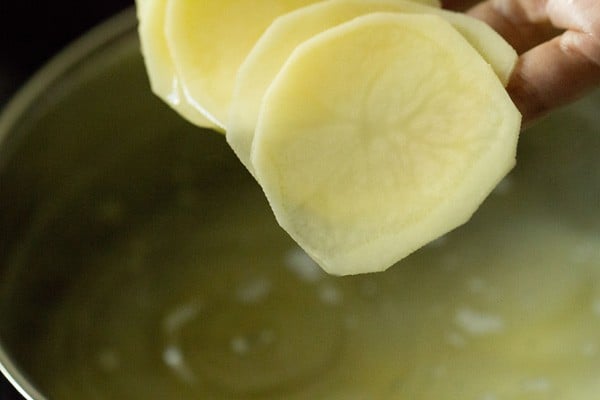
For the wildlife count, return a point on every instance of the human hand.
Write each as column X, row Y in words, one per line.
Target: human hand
column 558, row 42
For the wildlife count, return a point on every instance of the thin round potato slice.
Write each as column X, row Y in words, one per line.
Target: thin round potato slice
column 159, row 64
column 288, row 31
column 380, row 135
column 209, row 40
column 140, row 7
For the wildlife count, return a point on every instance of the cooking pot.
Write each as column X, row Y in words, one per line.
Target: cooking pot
column 138, row 259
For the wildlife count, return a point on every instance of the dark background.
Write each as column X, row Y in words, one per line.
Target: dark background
column 31, row 31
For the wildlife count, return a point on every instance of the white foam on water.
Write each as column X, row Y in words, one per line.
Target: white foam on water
column 537, row 385
column 304, row 267
column 478, row 323
column 240, row 345
column 179, row 317
column 174, row 359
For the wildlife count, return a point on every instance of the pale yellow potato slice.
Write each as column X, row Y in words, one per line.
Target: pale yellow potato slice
column 380, row 135
column 159, row 64
column 139, row 7
column 209, row 40
column 288, row 31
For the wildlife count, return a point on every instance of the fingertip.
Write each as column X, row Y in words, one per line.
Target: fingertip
column 522, row 24
column 549, row 76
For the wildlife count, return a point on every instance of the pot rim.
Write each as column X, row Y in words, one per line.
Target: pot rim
column 120, row 26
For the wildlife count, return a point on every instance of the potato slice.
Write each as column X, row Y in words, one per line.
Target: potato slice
column 159, row 64
column 140, row 7
column 209, row 40
column 288, row 31
column 380, row 135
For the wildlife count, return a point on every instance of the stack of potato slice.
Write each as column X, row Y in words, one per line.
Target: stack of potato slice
column 373, row 126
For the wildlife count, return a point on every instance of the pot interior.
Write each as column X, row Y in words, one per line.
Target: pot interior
column 139, row 260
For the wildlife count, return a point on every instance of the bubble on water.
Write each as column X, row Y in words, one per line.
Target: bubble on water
column 330, row 295
column 254, row 291
column 179, row 317
column 240, row 345
column 537, row 385
column 303, row 266
column 175, row 360
column 108, row 360
column 172, row 356
column 478, row 323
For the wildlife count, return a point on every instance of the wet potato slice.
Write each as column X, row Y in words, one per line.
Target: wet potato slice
column 140, row 6
column 209, row 40
column 159, row 63
column 227, row 20
column 288, row 31
column 380, row 135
